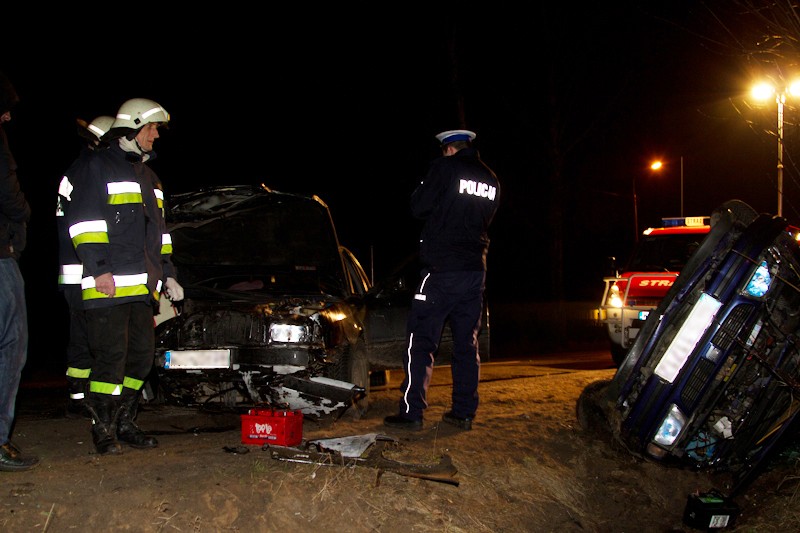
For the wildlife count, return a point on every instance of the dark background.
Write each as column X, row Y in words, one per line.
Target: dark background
column 570, row 104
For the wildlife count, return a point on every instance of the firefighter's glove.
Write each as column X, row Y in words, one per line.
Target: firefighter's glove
column 174, row 290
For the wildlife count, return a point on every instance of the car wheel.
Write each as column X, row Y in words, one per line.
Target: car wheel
column 589, row 408
column 354, row 368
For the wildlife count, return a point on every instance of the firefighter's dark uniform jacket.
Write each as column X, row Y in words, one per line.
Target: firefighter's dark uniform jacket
column 116, row 222
column 70, row 274
column 70, row 270
column 457, row 199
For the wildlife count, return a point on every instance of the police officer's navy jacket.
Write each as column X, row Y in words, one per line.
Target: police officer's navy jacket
column 116, row 222
column 457, row 200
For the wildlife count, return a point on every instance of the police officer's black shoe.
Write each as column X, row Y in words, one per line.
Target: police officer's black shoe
column 457, row 421
column 12, row 460
column 398, row 421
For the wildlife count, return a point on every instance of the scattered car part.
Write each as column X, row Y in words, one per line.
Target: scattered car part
column 315, row 452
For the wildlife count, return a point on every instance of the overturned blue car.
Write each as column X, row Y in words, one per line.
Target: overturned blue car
column 712, row 381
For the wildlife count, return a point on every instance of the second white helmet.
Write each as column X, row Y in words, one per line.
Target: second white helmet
column 100, row 125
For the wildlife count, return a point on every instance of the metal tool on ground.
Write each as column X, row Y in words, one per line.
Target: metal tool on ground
column 348, row 451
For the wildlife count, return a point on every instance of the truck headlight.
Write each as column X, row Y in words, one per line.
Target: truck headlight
column 614, row 298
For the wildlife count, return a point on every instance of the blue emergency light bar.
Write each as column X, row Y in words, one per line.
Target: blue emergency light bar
column 673, row 222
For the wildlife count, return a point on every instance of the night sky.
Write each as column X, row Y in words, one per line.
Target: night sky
column 344, row 102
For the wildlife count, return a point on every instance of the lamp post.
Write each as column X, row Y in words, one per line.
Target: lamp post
column 657, row 165
column 763, row 91
column 780, row 99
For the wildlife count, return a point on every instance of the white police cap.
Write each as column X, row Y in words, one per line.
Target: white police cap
column 455, row 135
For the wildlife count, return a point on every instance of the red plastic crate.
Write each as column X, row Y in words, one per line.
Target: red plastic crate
column 268, row 426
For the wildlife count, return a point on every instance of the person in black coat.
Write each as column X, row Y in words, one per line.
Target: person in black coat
column 15, row 213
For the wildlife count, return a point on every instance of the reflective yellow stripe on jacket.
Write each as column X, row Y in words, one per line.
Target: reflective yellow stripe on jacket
column 70, row 274
column 166, row 244
column 124, row 192
column 127, row 285
column 89, row 232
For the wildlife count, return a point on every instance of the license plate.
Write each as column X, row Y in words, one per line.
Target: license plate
column 197, row 359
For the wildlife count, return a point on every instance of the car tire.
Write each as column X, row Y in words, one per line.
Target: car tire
column 589, row 408
column 354, row 368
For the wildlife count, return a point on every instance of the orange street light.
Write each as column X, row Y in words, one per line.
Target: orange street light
column 657, row 165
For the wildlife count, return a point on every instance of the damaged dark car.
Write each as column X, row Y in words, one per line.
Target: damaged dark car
column 277, row 313
column 713, row 378
column 273, row 312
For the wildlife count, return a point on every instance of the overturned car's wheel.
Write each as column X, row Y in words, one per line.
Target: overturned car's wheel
column 590, row 408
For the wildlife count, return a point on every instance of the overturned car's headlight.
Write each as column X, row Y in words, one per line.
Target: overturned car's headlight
column 286, row 333
column 671, row 426
column 760, row 281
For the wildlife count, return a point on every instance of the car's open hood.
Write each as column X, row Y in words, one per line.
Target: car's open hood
column 253, row 239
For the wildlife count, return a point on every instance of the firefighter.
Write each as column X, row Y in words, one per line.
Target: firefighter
column 116, row 222
column 79, row 359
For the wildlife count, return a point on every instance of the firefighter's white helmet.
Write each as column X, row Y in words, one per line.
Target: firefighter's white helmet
column 137, row 112
column 100, row 125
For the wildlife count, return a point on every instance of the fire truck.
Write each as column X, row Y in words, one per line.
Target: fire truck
column 657, row 259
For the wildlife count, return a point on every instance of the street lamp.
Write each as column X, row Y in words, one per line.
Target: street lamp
column 762, row 91
column 658, row 165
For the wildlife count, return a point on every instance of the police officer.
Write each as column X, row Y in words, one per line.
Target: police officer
column 79, row 359
column 457, row 201
column 116, row 221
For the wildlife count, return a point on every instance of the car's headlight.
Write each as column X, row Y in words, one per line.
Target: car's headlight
column 760, row 281
column 671, row 426
column 287, row 333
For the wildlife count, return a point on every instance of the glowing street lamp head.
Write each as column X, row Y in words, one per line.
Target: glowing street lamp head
column 656, row 165
column 762, row 91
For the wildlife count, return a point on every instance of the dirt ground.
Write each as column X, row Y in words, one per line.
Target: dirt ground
column 527, row 465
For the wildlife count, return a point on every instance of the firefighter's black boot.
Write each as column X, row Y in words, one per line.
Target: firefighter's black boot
column 78, row 390
column 127, row 430
column 102, row 408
